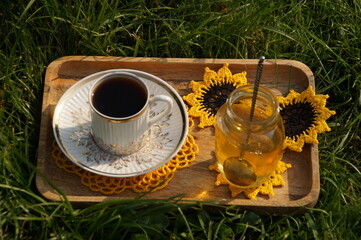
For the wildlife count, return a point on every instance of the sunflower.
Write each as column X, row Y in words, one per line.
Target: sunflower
column 304, row 116
column 211, row 93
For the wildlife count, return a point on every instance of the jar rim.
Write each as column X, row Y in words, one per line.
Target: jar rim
column 247, row 90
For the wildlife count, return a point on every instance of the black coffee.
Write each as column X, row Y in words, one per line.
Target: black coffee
column 119, row 97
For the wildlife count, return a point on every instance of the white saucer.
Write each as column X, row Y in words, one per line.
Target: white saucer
column 71, row 126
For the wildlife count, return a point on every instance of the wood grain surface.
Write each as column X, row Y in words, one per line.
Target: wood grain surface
column 196, row 182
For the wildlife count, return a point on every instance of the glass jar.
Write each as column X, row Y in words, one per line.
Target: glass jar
column 249, row 148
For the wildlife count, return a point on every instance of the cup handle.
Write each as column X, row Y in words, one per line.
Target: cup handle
column 165, row 112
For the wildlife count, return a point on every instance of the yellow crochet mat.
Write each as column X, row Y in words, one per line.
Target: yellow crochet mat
column 275, row 179
column 151, row 181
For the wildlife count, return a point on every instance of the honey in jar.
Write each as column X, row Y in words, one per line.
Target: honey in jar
column 248, row 145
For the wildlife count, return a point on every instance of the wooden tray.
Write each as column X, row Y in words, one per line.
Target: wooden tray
column 302, row 179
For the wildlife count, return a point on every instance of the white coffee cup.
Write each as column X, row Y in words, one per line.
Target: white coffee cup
column 120, row 106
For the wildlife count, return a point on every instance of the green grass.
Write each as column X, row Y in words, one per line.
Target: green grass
column 324, row 34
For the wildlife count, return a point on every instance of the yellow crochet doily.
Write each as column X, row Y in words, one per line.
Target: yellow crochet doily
column 210, row 94
column 304, row 115
column 275, row 179
column 151, row 181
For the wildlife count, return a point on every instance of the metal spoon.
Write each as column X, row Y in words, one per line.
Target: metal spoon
column 237, row 170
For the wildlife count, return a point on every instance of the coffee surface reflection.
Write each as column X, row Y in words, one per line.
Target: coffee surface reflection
column 119, row 97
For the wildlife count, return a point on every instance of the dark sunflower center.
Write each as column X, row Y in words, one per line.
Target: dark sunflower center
column 297, row 117
column 216, row 96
